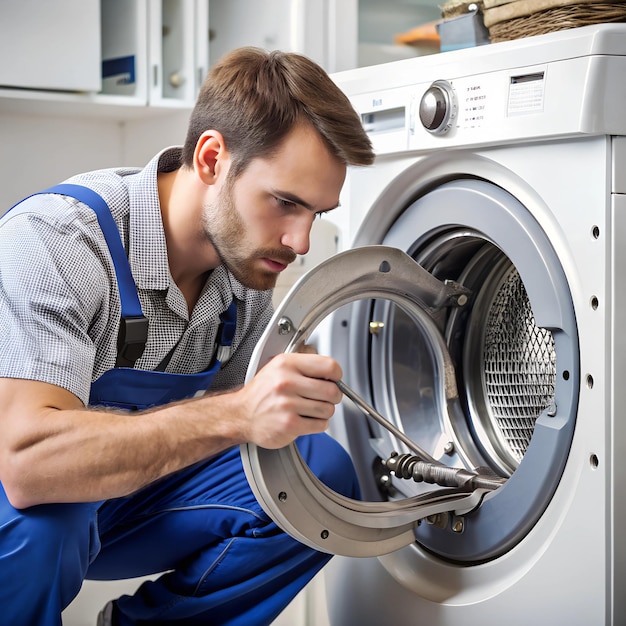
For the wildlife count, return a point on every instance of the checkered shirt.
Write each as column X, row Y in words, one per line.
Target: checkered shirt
column 59, row 302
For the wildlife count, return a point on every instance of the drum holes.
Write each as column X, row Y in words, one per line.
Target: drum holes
column 566, row 375
column 590, row 381
column 594, row 303
column 594, row 461
column 595, row 232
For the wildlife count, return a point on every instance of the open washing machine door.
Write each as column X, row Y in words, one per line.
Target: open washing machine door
column 282, row 482
column 460, row 330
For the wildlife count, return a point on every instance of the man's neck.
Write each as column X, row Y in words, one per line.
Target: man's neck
column 191, row 256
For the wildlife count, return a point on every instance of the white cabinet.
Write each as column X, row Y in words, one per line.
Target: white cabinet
column 124, row 53
column 302, row 26
column 50, row 45
column 235, row 23
column 155, row 53
column 109, row 52
column 101, row 83
column 172, row 55
column 338, row 34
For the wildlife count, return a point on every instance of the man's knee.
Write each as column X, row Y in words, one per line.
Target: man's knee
column 329, row 461
column 49, row 534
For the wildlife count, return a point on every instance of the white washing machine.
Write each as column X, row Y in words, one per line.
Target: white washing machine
column 482, row 312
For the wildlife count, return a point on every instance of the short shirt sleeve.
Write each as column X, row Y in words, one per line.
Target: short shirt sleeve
column 53, row 288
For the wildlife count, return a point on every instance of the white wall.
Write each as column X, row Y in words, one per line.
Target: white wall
column 38, row 151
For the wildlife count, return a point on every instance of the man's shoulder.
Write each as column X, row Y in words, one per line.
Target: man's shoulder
column 111, row 184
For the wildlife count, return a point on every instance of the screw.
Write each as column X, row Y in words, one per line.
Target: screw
column 439, row 520
column 282, row 496
column 449, row 447
column 324, row 534
column 285, row 326
column 376, row 327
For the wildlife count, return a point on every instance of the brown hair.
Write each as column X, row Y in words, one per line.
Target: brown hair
column 254, row 99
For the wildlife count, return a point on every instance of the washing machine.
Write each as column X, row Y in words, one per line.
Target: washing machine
column 479, row 314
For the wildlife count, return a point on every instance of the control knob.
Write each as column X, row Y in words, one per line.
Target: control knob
column 437, row 108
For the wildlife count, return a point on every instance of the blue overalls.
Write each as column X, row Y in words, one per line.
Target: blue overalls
column 227, row 563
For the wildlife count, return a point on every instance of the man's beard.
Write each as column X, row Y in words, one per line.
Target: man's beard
column 227, row 232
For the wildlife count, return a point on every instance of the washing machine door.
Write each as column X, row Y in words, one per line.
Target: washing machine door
column 459, row 329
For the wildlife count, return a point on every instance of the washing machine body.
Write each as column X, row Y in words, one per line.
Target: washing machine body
column 520, row 179
column 501, row 172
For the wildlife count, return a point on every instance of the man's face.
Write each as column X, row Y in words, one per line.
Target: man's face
column 262, row 220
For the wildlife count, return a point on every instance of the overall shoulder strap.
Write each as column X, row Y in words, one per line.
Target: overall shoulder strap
column 133, row 333
column 225, row 336
column 226, row 333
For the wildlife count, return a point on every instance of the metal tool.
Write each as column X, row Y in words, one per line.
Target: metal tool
column 422, row 467
column 368, row 409
column 410, row 467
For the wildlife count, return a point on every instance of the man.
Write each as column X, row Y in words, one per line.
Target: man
column 113, row 461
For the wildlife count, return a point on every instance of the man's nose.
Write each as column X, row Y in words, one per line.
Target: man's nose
column 298, row 236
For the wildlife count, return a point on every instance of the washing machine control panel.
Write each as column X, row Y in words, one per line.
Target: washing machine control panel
column 438, row 107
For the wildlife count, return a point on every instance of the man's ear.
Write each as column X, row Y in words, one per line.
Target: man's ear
column 211, row 158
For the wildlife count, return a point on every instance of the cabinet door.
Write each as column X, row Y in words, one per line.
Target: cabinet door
column 125, row 51
column 324, row 30
column 50, row 45
column 268, row 24
column 202, row 41
column 172, row 52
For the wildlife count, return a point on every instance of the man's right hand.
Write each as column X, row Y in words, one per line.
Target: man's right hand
column 292, row 395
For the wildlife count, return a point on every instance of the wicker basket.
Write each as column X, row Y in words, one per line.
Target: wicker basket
column 522, row 18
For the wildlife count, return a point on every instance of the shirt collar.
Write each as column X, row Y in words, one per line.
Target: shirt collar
column 147, row 247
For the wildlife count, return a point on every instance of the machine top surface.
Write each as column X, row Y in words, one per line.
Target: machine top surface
column 562, row 84
column 595, row 40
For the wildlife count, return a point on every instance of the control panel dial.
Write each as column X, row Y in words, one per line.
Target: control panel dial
column 438, row 107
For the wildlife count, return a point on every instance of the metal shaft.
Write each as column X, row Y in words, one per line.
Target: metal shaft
column 410, row 467
column 422, row 467
column 374, row 414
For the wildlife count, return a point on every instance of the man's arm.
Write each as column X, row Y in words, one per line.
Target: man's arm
column 52, row 449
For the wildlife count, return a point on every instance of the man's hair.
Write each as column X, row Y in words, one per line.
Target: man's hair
column 255, row 98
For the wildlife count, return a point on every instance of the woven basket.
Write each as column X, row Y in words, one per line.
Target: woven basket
column 524, row 18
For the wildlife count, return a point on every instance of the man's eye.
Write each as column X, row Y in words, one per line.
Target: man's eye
column 285, row 203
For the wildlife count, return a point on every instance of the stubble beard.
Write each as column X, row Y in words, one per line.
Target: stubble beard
column 226, row 230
